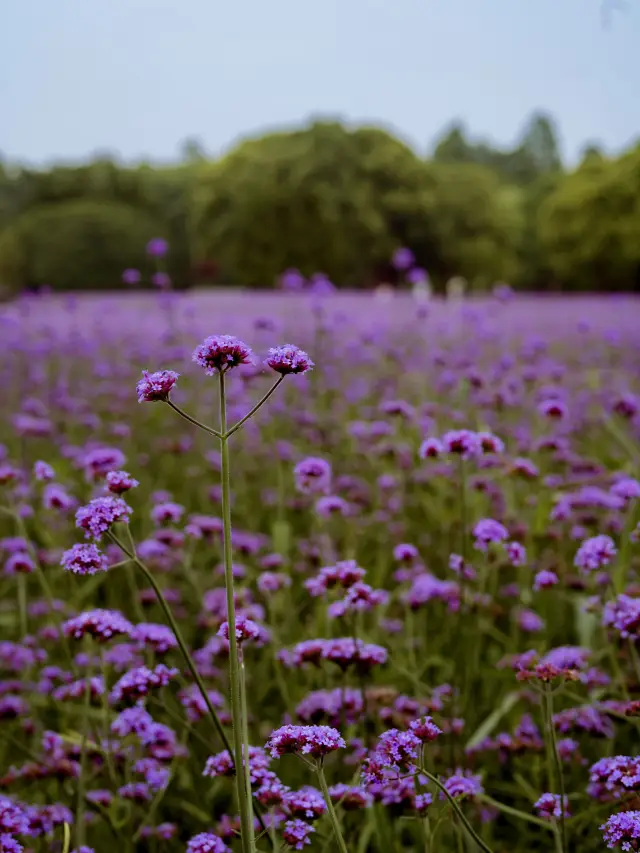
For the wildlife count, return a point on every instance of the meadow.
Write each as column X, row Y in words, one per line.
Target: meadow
column 406, row 587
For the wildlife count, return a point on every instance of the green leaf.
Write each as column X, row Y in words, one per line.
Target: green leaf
column 488, row 725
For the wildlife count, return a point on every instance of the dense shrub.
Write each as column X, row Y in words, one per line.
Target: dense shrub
column 589, row 227
column 75, row 245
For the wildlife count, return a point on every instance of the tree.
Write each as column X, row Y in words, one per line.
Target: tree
column 589, row 227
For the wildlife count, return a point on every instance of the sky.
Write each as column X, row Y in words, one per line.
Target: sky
column 136, row 77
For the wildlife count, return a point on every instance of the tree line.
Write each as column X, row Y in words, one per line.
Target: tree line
column 331, row 198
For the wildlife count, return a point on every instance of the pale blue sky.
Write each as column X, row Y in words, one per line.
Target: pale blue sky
column 138, row 76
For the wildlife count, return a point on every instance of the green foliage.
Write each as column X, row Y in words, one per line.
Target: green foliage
column 321, row 196
column 589, row 227
column 342, row 200
column 75, row 245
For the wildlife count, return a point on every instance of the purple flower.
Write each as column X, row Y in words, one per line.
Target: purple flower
column 529, row 621
column 488, row 531
column 100, row 514
column 462, row 443
column 12, row 817
column 595, row 553
column 206, row 842
column 360, row 598
column 161, row 280
column 350, row 797
column 43, row 472
column 84, row 560
column 623, row 615
column 553, row 409
column 156, row 387
column 219, row 353
column 425, row 729
column 132, row 721
column 431, row 448
column 131, row 276
column 245, row 630
column 98, row 462
column 544, row 579
column 159, row 638
column 403, row 259
column 622, row 829
column 316, row 741
column 288, row 359
column 119, row 482
column 222, row 764
column 463, row 784
column 8, row 844
column 19, row 563
column 296, row 833
column 167, row 513
column 137, row 683
column 157, row 247
column 312, row 476
column 102, row 625
column 516, row 553
column 55, row 496
column 548, row 806
column 329, row 505
column 307, row 804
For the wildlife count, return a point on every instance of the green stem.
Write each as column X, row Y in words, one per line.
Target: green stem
column 332, row 812
column 244, row 803
column 529, row 818
column 81, row 826
column 551, row 733
column 193, row 421
column 180, row 640
column 461, row 816
column 228, row 433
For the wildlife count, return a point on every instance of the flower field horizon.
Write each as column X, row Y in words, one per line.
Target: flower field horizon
column 379, row 554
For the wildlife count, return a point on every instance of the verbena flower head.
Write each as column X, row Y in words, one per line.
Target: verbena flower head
column 288, row 359
column 425, row 729
column 159, row 638
column 549, row 806
column 219, row 353
column 297, row 833
column 487, row 532
column 137, row 683
column 156, row 387
column 97, row 517
column 307, row 804
column 157, row 247
column 463, row 443
column 313, row 476
column 431, row 448
column 316, row 741
column 206, row 842
column 13, row 818
column 403, row 259
column 463, row 784
column 622, row 830
column 119, row 482
column 246, row 629
column 623, row 615
column 43, row 472
column 595, row 553
column 222, row 764
column 102, row 625
column 84, row 560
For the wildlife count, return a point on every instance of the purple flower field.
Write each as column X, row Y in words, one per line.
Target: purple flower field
column 379, row 556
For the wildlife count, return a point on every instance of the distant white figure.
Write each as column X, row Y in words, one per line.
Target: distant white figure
column 456, row 288
column 384, row 293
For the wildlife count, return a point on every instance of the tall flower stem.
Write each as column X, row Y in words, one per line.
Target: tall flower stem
column 330, row 809
column 228, row 433
column 179, row 638
column 547, row 701
column 454, row 805
column 244, row 802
